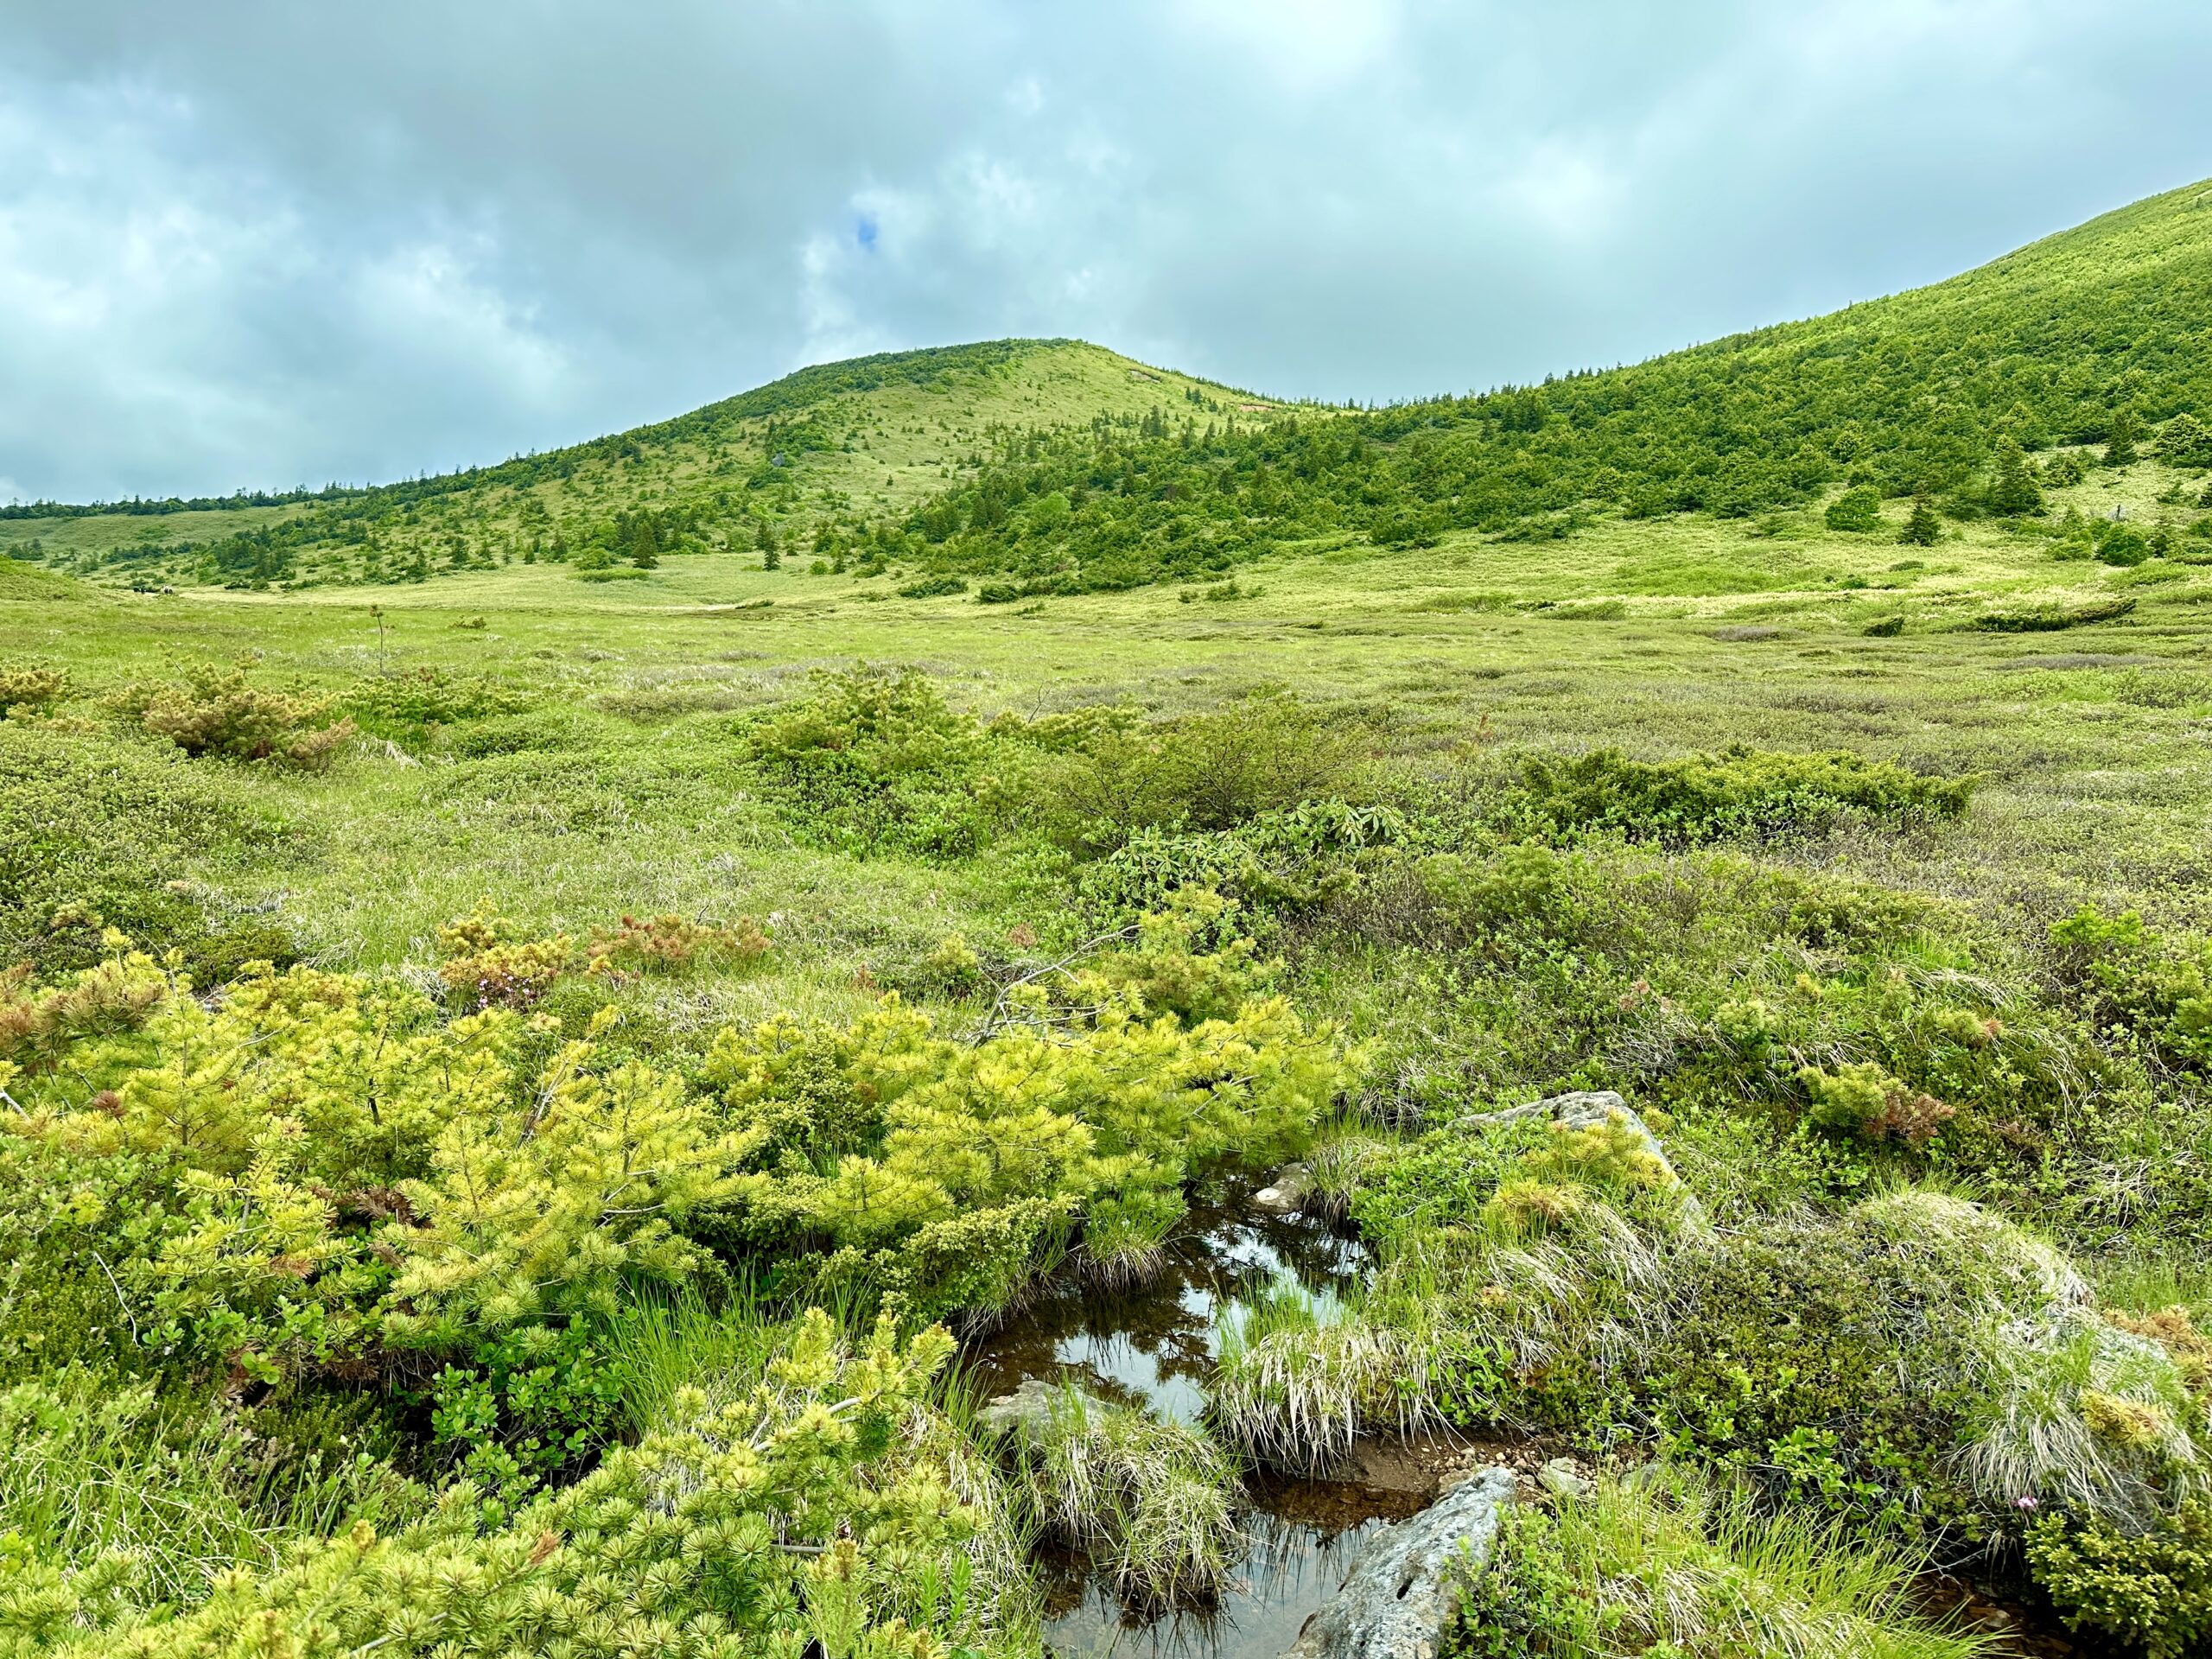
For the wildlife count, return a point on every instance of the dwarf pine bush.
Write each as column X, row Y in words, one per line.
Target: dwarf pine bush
column 801, row 1509
column 211, row 710
column 1741, row 790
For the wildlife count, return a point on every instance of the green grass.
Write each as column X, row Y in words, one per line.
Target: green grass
column 1667, row 1565
column 570, row 752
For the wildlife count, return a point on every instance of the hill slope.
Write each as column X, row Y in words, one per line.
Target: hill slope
column 837, row 447
column 1055, row 466
column 2106, row 326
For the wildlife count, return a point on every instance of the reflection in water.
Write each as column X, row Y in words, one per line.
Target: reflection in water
column 1154, row 1345
column 1292, row 1567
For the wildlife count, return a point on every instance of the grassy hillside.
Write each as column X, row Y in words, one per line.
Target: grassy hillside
column 815, row 459
column 1032, row 468
column 2103, row 328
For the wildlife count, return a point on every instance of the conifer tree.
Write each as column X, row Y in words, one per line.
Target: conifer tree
column 1923, row 528
column 2014, row 490
column 2120, row 442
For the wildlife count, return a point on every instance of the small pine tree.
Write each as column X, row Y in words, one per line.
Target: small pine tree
column 2014, row 492
column 2119, row 442
column 1923, row 528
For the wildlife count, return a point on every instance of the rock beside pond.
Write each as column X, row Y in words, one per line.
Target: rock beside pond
column 1584, row 1108
column 1027, row 1409
column 1287, row 1194
column 1399, row 1598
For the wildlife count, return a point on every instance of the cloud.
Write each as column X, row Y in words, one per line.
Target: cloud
column 259, row 243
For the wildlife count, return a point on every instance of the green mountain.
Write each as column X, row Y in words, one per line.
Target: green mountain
column 818, row 458
column 1055, row 466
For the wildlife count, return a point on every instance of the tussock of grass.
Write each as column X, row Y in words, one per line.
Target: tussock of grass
column 1152, row 1501
column 1294, row 1391
column 154, row 1499
column 1667, row 1565
column 2097, row 1421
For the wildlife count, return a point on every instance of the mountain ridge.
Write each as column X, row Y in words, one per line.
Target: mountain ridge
column 932, row 458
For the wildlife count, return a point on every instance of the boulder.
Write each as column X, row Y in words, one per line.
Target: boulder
column 1287, row 1194
column 1398, row 1601
column 1562, row 1479
column 1582, row 1109
column 1029, row 1407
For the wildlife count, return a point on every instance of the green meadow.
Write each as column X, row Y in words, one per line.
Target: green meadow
column 554, row 1009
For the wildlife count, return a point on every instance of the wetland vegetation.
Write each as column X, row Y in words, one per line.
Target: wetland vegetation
column 566, row 1031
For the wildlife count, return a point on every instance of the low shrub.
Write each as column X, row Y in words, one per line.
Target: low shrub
column 408, row 703
column 1741, row 790
column 211, row 710
column 812, row 1502
column 1264, row 754
column 96, row 833
column 30, row 689
column 876, row 761
column 488, row 963
column 1857, row 509
column 894, row 1162
column 2051, row 618
column 2150, row 1589
column 2139, row 986
column 668, row 943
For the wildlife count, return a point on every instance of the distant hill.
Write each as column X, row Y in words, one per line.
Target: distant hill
column 1039, row 466
column 822, row 455
column 2109, row 325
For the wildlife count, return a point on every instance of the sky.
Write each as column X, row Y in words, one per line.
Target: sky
column 268, row 243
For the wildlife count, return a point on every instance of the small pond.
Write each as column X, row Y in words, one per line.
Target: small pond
column 1154, row 1345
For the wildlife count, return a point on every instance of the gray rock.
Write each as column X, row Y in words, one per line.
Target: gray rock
column 1562, row 1479
column 1399, row 1598
column 1287, row 1194
column 1027, row 1409
column 1584, row 1108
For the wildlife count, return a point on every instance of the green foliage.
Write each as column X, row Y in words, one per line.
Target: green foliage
column 112, row 1495
column 1151, row 1502
column 2139, row 986
column 211, row 710
column 1922, row 527
column 28, row 689
column 93, row 836
column 2123, row 546
column 1668, row 1567
column 2054, row 617
column 1858, row 508
column 2186, row 442
column 2121, row 436
column 2151, row 1590
column 876, row 761
column 416, row 703
column 786, row 1511
column 1214, row 771
column 936, row 1172
column 2013, row 491
column 1740, row 791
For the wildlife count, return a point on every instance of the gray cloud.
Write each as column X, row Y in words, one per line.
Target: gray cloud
column 255, row 242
